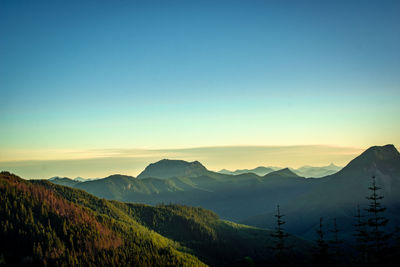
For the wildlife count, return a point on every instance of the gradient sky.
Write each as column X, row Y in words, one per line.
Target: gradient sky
column 83, row 75
column 104, row 162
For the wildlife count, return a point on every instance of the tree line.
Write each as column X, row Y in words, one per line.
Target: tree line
column 372, row 245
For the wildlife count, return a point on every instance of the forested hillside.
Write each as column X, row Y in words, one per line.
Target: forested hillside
column 48, row 224
column 39, row 226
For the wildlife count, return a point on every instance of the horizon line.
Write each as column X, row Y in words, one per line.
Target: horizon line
column 120, row 151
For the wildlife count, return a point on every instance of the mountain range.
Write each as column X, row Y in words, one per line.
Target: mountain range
column 305, row 171
column 252, row 199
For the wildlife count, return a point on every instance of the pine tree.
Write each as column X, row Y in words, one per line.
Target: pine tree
column 377, row 237
column 280, row 237
column 361, row 236
column 321, row 240
column 322, row 254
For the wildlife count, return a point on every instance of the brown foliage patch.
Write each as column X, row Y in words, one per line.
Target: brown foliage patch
column 75, row 214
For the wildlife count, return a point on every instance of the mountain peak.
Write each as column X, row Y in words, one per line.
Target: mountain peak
column 285, row 172
column 381, row 158
column 380, row 153
column 167, row 168
column 386, row 151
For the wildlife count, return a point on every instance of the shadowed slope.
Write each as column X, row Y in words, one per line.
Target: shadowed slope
column 337, row 195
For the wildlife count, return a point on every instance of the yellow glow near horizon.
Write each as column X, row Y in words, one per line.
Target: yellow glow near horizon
column 102, row 162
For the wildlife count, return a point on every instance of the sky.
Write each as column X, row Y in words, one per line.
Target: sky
column 79, row 77
column 99, row 163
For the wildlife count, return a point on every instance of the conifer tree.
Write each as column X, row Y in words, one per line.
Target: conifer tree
column 321, row 239
column 322, row 254
column 280, row 236
column 377, row 237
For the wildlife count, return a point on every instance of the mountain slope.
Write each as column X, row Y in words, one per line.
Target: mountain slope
column 55, row 225
column 337, row 195
column 128, row 188
column 213, row 240
column 233, row 197
column 41, row 227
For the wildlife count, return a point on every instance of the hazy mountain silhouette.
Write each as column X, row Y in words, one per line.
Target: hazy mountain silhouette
column 64, row 181
column 166, row 168
column 286, row 172
column 317, row 172
column 260, row 171
column 304, row 171
column 252, row 199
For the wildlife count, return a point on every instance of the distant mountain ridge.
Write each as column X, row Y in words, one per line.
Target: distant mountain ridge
column 317, row 172
column 64, row 181
column 286, row 172
column 260, row 171
column 304, row 171
column 78, row 179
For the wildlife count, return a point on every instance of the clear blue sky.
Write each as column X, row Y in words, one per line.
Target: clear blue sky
column 174, row 74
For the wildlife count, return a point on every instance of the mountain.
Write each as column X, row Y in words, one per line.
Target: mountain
column 305, row 171
column 68, row 181
column 64, row 181
column 317, row 172
column 383, row 159
column 56, row 225
column 80, row 179
column 251, row 199
column 120, row 187
column 337, row 195
column 260, row 171
column 286, row 172
column 225, row 171
column 166, row 168
column 234, row 197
